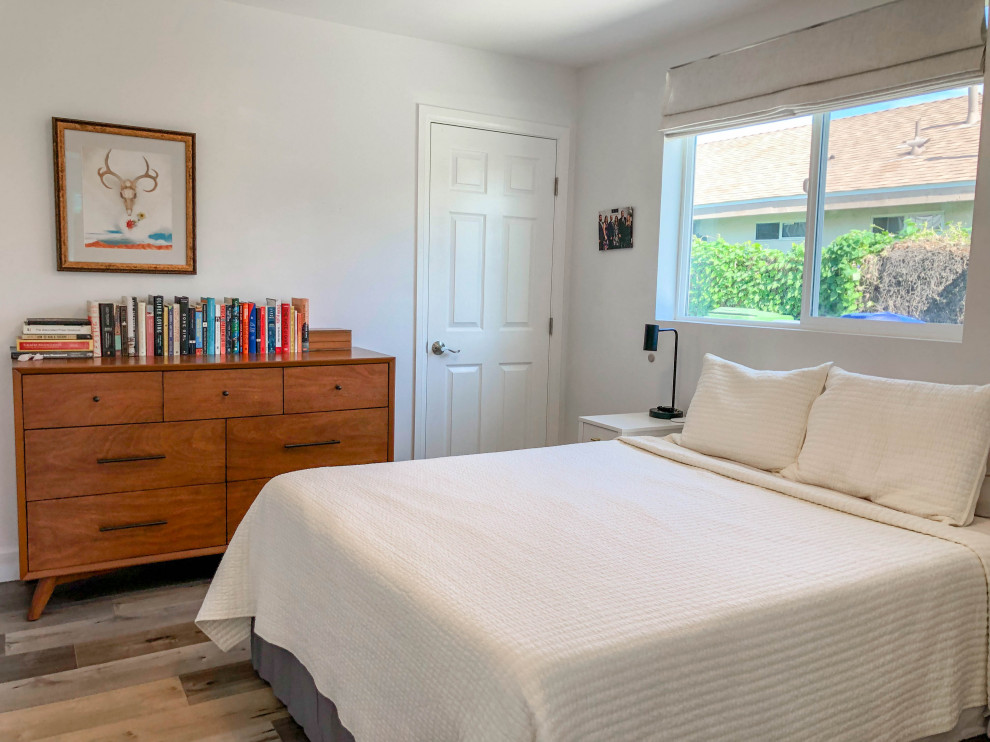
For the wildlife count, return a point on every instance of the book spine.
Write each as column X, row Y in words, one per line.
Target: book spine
column 262, row 329
column 286, row 319
column 222, row 309
column 15, row 354
column 57, row 336
column 199, row 331
column 142, row 336
column 132, row 329
column 209, row 307
column 117, row 337
column 302, row 306
column 149, row 331
column 278, row 325
column 59, row 329
column 230, row 333
column 159, row 309
column 270, row 327
column 167, row 330
column 191, row 330
column 217, row 332
column 106, row 329
column 204, row 321
column 176, row 325
column 183, row 303
column 54, row 344
column 252, row 332
column 123, row 310
column 235, row 326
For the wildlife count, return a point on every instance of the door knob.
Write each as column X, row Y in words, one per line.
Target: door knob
column 439, row 348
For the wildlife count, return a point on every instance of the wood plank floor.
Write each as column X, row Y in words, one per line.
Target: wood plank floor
column 117, row 657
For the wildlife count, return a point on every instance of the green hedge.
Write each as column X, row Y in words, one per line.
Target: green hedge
column 746, row 274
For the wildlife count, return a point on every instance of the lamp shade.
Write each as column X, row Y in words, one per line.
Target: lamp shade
column 651, row 338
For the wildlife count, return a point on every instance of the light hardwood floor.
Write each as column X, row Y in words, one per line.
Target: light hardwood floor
column 117, row 657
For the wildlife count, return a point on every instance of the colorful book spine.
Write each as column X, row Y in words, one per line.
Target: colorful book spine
column 223, row 309
column 302, row 306
column 199, row 331
column 16, row 354
column 278, row 325
column 61, row 329
column 117, row 337
column 270, row 326
column 167, row 329
column 217, row 336
column 208, row 336
column 31, row 344
column 235, row 319
column 286, row 330
column 176, row 331
column 252, row 330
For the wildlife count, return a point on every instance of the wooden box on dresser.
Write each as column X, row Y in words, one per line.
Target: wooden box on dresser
column 125, row 461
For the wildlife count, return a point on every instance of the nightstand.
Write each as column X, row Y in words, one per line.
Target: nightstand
column 607, row 427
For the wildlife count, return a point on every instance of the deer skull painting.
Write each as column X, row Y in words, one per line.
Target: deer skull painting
column 128, row 187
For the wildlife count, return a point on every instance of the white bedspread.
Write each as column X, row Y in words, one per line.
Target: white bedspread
column 608, row 591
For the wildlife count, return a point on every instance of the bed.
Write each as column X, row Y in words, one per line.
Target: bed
column 626, row 590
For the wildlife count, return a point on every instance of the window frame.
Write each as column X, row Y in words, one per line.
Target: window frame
column 815, row 214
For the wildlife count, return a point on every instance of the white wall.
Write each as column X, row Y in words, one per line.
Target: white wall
column 613, row 293
column 306, row 158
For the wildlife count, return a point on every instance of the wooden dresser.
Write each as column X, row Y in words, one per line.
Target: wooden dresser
column 124, row 461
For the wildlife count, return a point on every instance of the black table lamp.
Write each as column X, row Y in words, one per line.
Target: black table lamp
column 650, row 342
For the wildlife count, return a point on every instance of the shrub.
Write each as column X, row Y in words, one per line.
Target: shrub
column 918, row 272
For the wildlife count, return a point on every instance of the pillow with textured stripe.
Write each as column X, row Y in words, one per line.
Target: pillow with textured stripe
column 913, row 446
column 754, row 417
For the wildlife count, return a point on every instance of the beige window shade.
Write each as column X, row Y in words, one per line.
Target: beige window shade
column 901, row 48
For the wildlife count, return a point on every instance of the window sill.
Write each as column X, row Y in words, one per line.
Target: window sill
column 838, row 326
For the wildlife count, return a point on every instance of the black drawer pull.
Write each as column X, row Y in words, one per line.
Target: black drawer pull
column 104, row 529
column 125, row 459
column 316, row 443
column 226, row 393
column 338, row 387
column 96, row 399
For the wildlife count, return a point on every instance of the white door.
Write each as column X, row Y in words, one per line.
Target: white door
column 488, row 311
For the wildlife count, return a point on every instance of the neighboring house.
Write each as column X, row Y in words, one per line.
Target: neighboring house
column 753, row 187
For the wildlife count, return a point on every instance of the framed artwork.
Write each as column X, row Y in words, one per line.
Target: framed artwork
column 125, row 198
column 615, row 228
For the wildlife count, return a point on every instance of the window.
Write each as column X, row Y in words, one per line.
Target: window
column 859, row 246
column 792, row 230
column 889, row 224
column 768, row 231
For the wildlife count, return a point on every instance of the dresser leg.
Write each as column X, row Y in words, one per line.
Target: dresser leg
column 42, row 592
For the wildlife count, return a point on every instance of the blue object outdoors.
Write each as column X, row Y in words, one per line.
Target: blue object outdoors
column 884, row 317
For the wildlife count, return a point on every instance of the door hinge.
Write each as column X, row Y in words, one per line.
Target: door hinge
column 551, row 325
column 556, row 185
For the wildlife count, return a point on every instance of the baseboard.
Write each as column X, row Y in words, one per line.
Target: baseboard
column 10, row 566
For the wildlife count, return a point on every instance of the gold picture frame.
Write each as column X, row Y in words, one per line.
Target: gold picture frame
column 131, row 221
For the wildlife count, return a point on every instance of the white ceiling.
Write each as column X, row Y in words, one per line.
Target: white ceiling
column 572, row 32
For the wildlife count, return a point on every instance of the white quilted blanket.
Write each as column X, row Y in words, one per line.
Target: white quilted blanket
column 608, row 591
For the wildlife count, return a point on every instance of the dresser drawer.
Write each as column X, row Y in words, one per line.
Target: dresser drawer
column 200, row 395
column 265, row 447
column 320, row 388
column 591, row 432
column 240, row 496
column 102, row 528
column 64, row 400
column 69, row 462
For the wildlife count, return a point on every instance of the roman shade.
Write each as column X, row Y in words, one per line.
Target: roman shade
column 897, row 49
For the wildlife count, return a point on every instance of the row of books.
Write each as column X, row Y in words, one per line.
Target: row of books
column 54, row 337
column 135, row 327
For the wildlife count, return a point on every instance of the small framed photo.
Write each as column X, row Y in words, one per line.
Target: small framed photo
column 125, row 199
column 615, row 228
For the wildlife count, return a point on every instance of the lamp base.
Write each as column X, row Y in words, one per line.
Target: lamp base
column 666, row 413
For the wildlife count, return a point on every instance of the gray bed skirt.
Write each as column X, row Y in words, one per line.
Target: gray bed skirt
column 294, row 686
column 317, row 715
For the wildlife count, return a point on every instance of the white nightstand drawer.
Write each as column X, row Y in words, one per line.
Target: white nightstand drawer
column 591, row 432
column 608, row 427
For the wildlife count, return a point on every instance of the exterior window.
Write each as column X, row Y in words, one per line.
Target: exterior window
column 872, row 209
column 792, row 230
column 889, row 224
column 768, row 230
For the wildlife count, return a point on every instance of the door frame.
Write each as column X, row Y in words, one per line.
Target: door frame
column 429, row 115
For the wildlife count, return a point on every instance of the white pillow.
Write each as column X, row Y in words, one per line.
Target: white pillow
column 754, row 417
column 909, row 445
